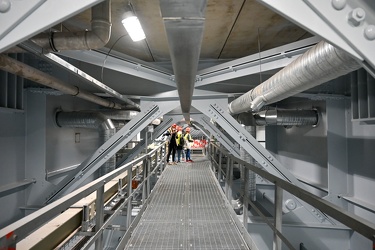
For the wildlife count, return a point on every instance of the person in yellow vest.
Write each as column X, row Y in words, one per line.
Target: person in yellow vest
column 188, row 140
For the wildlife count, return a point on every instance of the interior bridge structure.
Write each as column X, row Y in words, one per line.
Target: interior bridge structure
column 279, row 97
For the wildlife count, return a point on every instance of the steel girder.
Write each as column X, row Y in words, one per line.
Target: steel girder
column 25, row 19
column 213, row 108
column 267, row 60
column 347, row 24
column 167, row 122
column 223, row 139
column 150, row 111
column 127, row 66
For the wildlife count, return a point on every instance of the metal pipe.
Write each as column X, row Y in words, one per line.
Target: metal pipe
column 96, row 38
column 287, row 117
column 25, row 71
column 184, row 25
column 318, row 65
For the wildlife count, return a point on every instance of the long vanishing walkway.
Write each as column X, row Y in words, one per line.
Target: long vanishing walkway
column 187, row 211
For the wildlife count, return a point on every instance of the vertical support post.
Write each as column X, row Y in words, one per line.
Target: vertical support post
column 162, row 166
column 99, row 216
column 156, row 159
column 145, row 175
column 245, row 196
column 219, row 167
column 119, row 187
column 278, row 217
column 85, row 218
column 129, row 211
column 230, row 182
column 148, row 166
column 214, row 157
column 228, row 178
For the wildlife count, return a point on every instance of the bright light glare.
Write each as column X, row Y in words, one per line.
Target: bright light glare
column 134, row 28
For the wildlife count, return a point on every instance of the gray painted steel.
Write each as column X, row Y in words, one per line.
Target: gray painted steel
column 188, row 211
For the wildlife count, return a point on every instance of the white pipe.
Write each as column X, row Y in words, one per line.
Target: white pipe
column 95, row 38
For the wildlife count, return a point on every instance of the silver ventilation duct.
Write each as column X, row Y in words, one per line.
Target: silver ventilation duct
column 287, row 117
column 124, row 115
column 25, row 71
column 91, row 120
column 95, row 38
column 318, row 65
column 184, row 24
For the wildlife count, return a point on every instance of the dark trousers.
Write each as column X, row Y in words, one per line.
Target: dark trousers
column 171, row 149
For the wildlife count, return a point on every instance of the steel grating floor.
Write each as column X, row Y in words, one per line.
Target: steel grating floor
column 187, row 211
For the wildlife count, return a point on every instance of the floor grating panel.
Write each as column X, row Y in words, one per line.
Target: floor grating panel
column 187, row 211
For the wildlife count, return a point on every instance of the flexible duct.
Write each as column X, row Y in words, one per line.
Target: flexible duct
column 320, row 64
column 124, row 115
column 25, row 71
column 287, row 117
column 91, row 120
column 96, row 38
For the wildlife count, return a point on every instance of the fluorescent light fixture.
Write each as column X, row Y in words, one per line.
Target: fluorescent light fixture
column 133, row 27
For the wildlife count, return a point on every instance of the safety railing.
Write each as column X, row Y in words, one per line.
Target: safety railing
column 147, row 165
column 216, row 154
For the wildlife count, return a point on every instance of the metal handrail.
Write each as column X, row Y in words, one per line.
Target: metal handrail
column 20, row 229
column 351, row 220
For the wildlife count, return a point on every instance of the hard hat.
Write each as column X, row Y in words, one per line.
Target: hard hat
column 174, row 125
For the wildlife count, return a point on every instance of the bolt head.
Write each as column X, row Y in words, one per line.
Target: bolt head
column 338, row 4
column 4, row 6
column 356, row 16
column 290, row 204
column 370, row 32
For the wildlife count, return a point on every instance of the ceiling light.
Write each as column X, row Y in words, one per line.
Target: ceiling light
column 133, row 27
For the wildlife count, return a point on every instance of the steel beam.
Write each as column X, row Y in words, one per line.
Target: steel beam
column 15, row 186
column 127, row 66
column 25, row 19
column 353, row 21
column 212, row 109
column 268, row 60
column 223, row 139
column 50, row 57
column 297, row 11
column 150, row 111
column 167, row 122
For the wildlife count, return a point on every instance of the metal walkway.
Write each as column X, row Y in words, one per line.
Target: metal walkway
column 187, row 211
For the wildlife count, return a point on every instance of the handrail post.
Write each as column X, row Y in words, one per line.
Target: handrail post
column 99, row 216
column 245, row 196
column 148, row 166
column 228, row 177
column 145, row 174
column 278, row 216
column 219, row 167
column 129, row 210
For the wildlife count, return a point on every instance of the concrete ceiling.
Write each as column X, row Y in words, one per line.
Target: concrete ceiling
column 233, row 29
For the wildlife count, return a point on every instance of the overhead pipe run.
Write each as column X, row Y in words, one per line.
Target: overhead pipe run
column 287, row 117
column 25, row 71
column 95, row 38
column 184, row 24
column 318, row 65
